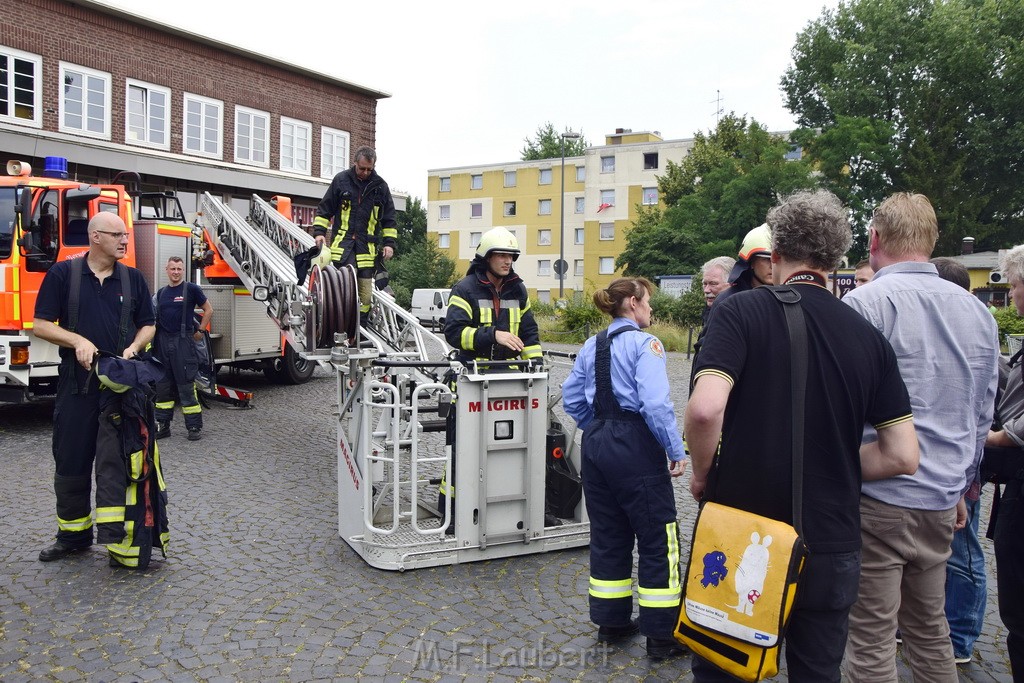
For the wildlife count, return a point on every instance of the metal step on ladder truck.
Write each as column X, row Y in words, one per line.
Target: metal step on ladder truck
column 398, row 389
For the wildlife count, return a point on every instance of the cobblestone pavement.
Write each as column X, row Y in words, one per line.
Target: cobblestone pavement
column 259, row 587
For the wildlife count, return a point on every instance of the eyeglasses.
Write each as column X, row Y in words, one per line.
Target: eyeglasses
column 116, row 235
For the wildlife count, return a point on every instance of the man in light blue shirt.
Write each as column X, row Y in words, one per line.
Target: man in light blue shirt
column 945, row 343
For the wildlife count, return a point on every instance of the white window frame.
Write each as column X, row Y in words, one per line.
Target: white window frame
column 544, row 238
column 608, row 164
column 148, row 115
column 510, row 178
column 205, row 103
column 650, row 196
column 606, row 265
column 444, row 212
column 607, row 230
column 444, row 184
column 295, row 163
column 544, row 207
column 578, row 235
column 250, row 159
column 578, row 267
column 476, row 181
column 608, row 197
column 87, row 74
column 544, row 296
column 657, row 160
column 444, row 240
column 581, row 174
column 508, row 209
column 332, row 159
column 474, row 239
column 544, row 266
column 476, row 210
column 13, row 56
column 544, row 176
column 581, row 205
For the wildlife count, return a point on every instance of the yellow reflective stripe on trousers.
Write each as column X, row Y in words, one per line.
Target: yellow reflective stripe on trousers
column 106, row 515
column 670, row 596
column 80, row 524
column 124, row 552
column 165, row 405
column 610, row 590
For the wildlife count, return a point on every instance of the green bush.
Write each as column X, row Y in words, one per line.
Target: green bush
column 1009, row 322
column 540, row 308
column 579, row 319
column 665, row 307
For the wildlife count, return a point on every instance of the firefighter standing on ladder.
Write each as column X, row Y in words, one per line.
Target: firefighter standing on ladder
column 359, row 214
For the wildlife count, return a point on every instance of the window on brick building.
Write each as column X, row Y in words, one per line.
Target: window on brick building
column 252, row 137
column 202, row 132
column 334, row 145
column 296, row 139
column 147, row 115
column 84, row 101
column 21, row 87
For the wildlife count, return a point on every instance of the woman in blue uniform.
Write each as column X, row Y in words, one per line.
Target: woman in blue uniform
column 618, row 393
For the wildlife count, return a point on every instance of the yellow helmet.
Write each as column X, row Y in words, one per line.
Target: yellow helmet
column 498, row 239
column 757, row 242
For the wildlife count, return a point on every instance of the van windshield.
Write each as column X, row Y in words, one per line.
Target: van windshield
column 8, row 217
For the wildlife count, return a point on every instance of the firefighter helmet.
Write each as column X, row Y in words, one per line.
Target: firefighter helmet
column 758, row 242
column 498, row 239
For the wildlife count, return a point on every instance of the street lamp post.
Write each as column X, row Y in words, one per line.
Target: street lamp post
column 561, row 217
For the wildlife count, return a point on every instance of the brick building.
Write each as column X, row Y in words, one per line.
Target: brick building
column 113, row 91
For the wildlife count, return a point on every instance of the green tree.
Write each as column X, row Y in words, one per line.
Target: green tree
column 548, row 144
column 412, row 224
column 923, row 96
column 714, row 196
column 419, row 263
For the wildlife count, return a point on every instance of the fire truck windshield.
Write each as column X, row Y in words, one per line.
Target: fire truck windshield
column 7, row 220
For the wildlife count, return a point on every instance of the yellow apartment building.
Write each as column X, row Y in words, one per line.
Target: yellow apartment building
column 602, row 192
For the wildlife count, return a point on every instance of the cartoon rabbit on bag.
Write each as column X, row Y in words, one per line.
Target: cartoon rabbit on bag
column 750, row 575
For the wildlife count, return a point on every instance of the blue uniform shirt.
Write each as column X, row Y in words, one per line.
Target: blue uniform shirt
column 639, row 382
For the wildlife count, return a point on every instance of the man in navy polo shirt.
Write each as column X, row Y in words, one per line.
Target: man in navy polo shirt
column 103, row 321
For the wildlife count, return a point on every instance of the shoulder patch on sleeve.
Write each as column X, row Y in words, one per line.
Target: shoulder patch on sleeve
column 656, row 348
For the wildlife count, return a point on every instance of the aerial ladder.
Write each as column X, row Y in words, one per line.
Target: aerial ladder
column 410, row 413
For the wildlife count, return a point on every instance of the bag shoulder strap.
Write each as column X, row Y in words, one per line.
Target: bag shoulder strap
column 74, row 293
column 790, row 299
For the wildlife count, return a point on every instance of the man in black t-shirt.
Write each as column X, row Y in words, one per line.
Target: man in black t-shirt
column 100, row 323
column 742, row 397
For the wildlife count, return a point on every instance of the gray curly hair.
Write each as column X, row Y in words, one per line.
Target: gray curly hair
column 811, row 227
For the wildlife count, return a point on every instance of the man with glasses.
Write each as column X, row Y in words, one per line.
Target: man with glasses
column 87, row 304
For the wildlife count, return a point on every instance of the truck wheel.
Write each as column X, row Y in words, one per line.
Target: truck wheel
column 291, row 368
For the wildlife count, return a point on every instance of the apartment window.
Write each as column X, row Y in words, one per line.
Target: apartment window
column 544, row 207
column 608, row 197
column 147, row 113
column 444, row 212
column 579, row 235
column 334, row 146
column 650, row 196
column 581, row 174
column 203, row 126
column 606, row 265
column 84, row 101
column 509, row 209
column 252, row 137
column 650, row 161
column 295, row 145
column 608, row 164
column 474, row 239
column 544, row 296
column 544, row 267
column 578, row 267
column 510, row 178
column 607, row 231
column 580, row 204
column 545, row 176
column 476, row 182
column 21, row 91
column 444, row 184
column 476, row 210
column 543, row 237
column 444, row 240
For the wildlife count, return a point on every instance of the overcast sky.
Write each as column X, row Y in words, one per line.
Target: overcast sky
column 470, row 80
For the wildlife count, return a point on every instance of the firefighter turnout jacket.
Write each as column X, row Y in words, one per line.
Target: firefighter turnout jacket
column 360, row 216
column 477, row 309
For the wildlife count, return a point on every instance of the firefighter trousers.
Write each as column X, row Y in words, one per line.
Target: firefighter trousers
column 181, row 364
column 75, row 427
column 630, row 499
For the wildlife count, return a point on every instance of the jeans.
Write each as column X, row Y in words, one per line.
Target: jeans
column 965, row 585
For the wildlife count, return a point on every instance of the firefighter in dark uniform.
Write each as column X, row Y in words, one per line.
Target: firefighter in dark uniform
column 359, row 214
column 618, row 393
column 176, row 335
column 113, row 312
column 489, row 316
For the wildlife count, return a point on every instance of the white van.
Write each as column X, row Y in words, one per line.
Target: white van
column 430, row 306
